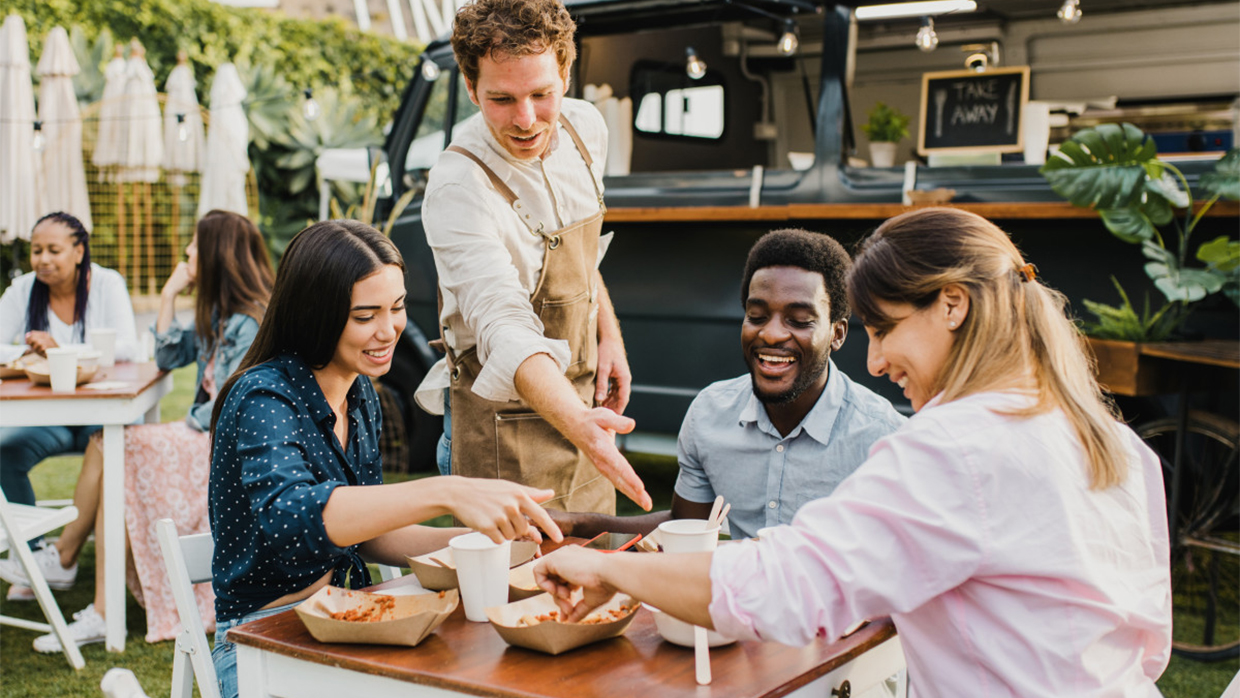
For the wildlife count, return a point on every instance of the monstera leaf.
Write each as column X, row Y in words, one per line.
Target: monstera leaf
column 1176, row 282
column 1225, row 179
column 1105, row 167
column 1223, row 255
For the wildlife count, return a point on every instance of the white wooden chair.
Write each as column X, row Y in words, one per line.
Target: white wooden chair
column 19, row 524
column 188, row 560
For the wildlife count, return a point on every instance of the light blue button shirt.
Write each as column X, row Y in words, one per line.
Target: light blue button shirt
column 729, row 446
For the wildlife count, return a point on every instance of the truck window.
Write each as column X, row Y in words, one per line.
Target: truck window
column 668, row 102
column 429, row 140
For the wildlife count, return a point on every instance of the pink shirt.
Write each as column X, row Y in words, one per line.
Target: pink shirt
column 978, row 534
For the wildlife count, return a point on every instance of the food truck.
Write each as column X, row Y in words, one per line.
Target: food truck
column 730, row 118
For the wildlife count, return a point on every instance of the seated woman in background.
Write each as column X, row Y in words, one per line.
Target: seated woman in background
column 297, row 500
column 58, row 303
column 1013, row 529
column 167, row 465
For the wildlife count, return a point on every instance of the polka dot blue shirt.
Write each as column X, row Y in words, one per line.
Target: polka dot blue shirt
column 274, row 463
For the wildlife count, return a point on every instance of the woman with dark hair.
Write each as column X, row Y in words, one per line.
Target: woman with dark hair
column 297, row 500
column 167, row 465
column 57, row 303
column 1013, row 529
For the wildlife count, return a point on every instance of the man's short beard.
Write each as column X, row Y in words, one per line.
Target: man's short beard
column 805, row 380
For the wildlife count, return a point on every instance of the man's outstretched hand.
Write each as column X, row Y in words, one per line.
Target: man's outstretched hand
column 595, row 434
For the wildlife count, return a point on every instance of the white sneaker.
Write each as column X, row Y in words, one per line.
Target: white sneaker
column 18, row 592
column 88, row 627
column 48, row 560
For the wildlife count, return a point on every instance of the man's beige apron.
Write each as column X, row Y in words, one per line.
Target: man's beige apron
column 509, row 440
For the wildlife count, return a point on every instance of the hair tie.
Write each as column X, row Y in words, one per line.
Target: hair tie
column 1027, row 273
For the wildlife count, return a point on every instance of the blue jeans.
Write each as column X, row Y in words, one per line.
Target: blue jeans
column 443, row 452
column 22, row 448
column 224, row 654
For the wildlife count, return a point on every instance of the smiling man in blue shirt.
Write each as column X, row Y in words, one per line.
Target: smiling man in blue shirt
column 793, row 428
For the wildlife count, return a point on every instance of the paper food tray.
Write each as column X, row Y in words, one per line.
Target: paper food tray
column 406, row 620
column 438, row 577
column 554, row 637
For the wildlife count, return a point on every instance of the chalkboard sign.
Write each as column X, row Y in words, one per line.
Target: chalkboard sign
column 966, row 110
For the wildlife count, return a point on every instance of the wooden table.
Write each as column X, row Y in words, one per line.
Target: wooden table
column 276, row 656
column 136, row 394
column 1138, row 369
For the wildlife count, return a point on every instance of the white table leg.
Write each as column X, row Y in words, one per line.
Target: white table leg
column 114, row 534
column 152, row 415
column 250, row 673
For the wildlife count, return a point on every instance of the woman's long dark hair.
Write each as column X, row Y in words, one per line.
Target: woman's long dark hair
column 41, row 295
column 312, row 295
column 234, row 272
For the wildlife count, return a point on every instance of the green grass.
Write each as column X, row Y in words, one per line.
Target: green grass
column 26, row 674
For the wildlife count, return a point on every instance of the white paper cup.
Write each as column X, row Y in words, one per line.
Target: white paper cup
column 104, row 339
column 688, row 536
column 482, row 572
column 62, row 367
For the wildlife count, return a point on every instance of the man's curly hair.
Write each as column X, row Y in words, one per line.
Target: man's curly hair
column 815, row 252
column 514, row 28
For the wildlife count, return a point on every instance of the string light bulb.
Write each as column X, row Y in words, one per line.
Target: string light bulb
column 695, row 67
column 182, row 129
column 927, row 39
column 311, row 107
column 37, row 142
column 788, row 41
column 430, row 70
column 1070, row 11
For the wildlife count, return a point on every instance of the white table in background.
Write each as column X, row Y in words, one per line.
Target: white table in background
column 131, row 392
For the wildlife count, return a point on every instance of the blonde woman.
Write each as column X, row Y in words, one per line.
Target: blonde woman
column 1013, row 529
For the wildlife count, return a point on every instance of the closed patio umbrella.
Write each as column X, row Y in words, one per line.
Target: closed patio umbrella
column 141, row 157
column 183, row 136
column 108, row 143
column 227, row 162
column 63, row 170
column 20, row 167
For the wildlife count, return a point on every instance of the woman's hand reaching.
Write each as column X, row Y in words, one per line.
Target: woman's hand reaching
column 501, row 510
column 570, row 569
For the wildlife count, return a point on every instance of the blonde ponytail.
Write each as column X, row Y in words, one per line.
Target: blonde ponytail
column 1013, row 319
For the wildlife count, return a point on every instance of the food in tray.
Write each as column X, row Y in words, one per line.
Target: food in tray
column 17, row 367
column 333, row 614
column 372, row 610
column 533, row 623
column 595, row 618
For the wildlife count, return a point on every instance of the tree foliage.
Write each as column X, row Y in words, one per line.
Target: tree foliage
column 306, row 53
column 356, row 77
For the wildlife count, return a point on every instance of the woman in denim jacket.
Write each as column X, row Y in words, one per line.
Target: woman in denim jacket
column 167, row 465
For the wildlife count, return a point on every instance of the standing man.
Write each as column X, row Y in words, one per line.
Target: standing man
column 793, row 428
column 513, row 212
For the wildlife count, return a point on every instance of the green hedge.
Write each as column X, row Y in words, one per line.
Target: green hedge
column 307, row 53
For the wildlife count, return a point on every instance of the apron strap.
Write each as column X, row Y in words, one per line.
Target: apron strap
column 509, row 195
column 585, row 155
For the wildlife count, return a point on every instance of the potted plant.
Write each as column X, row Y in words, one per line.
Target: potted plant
column 1115, row 170
column 886, row 127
